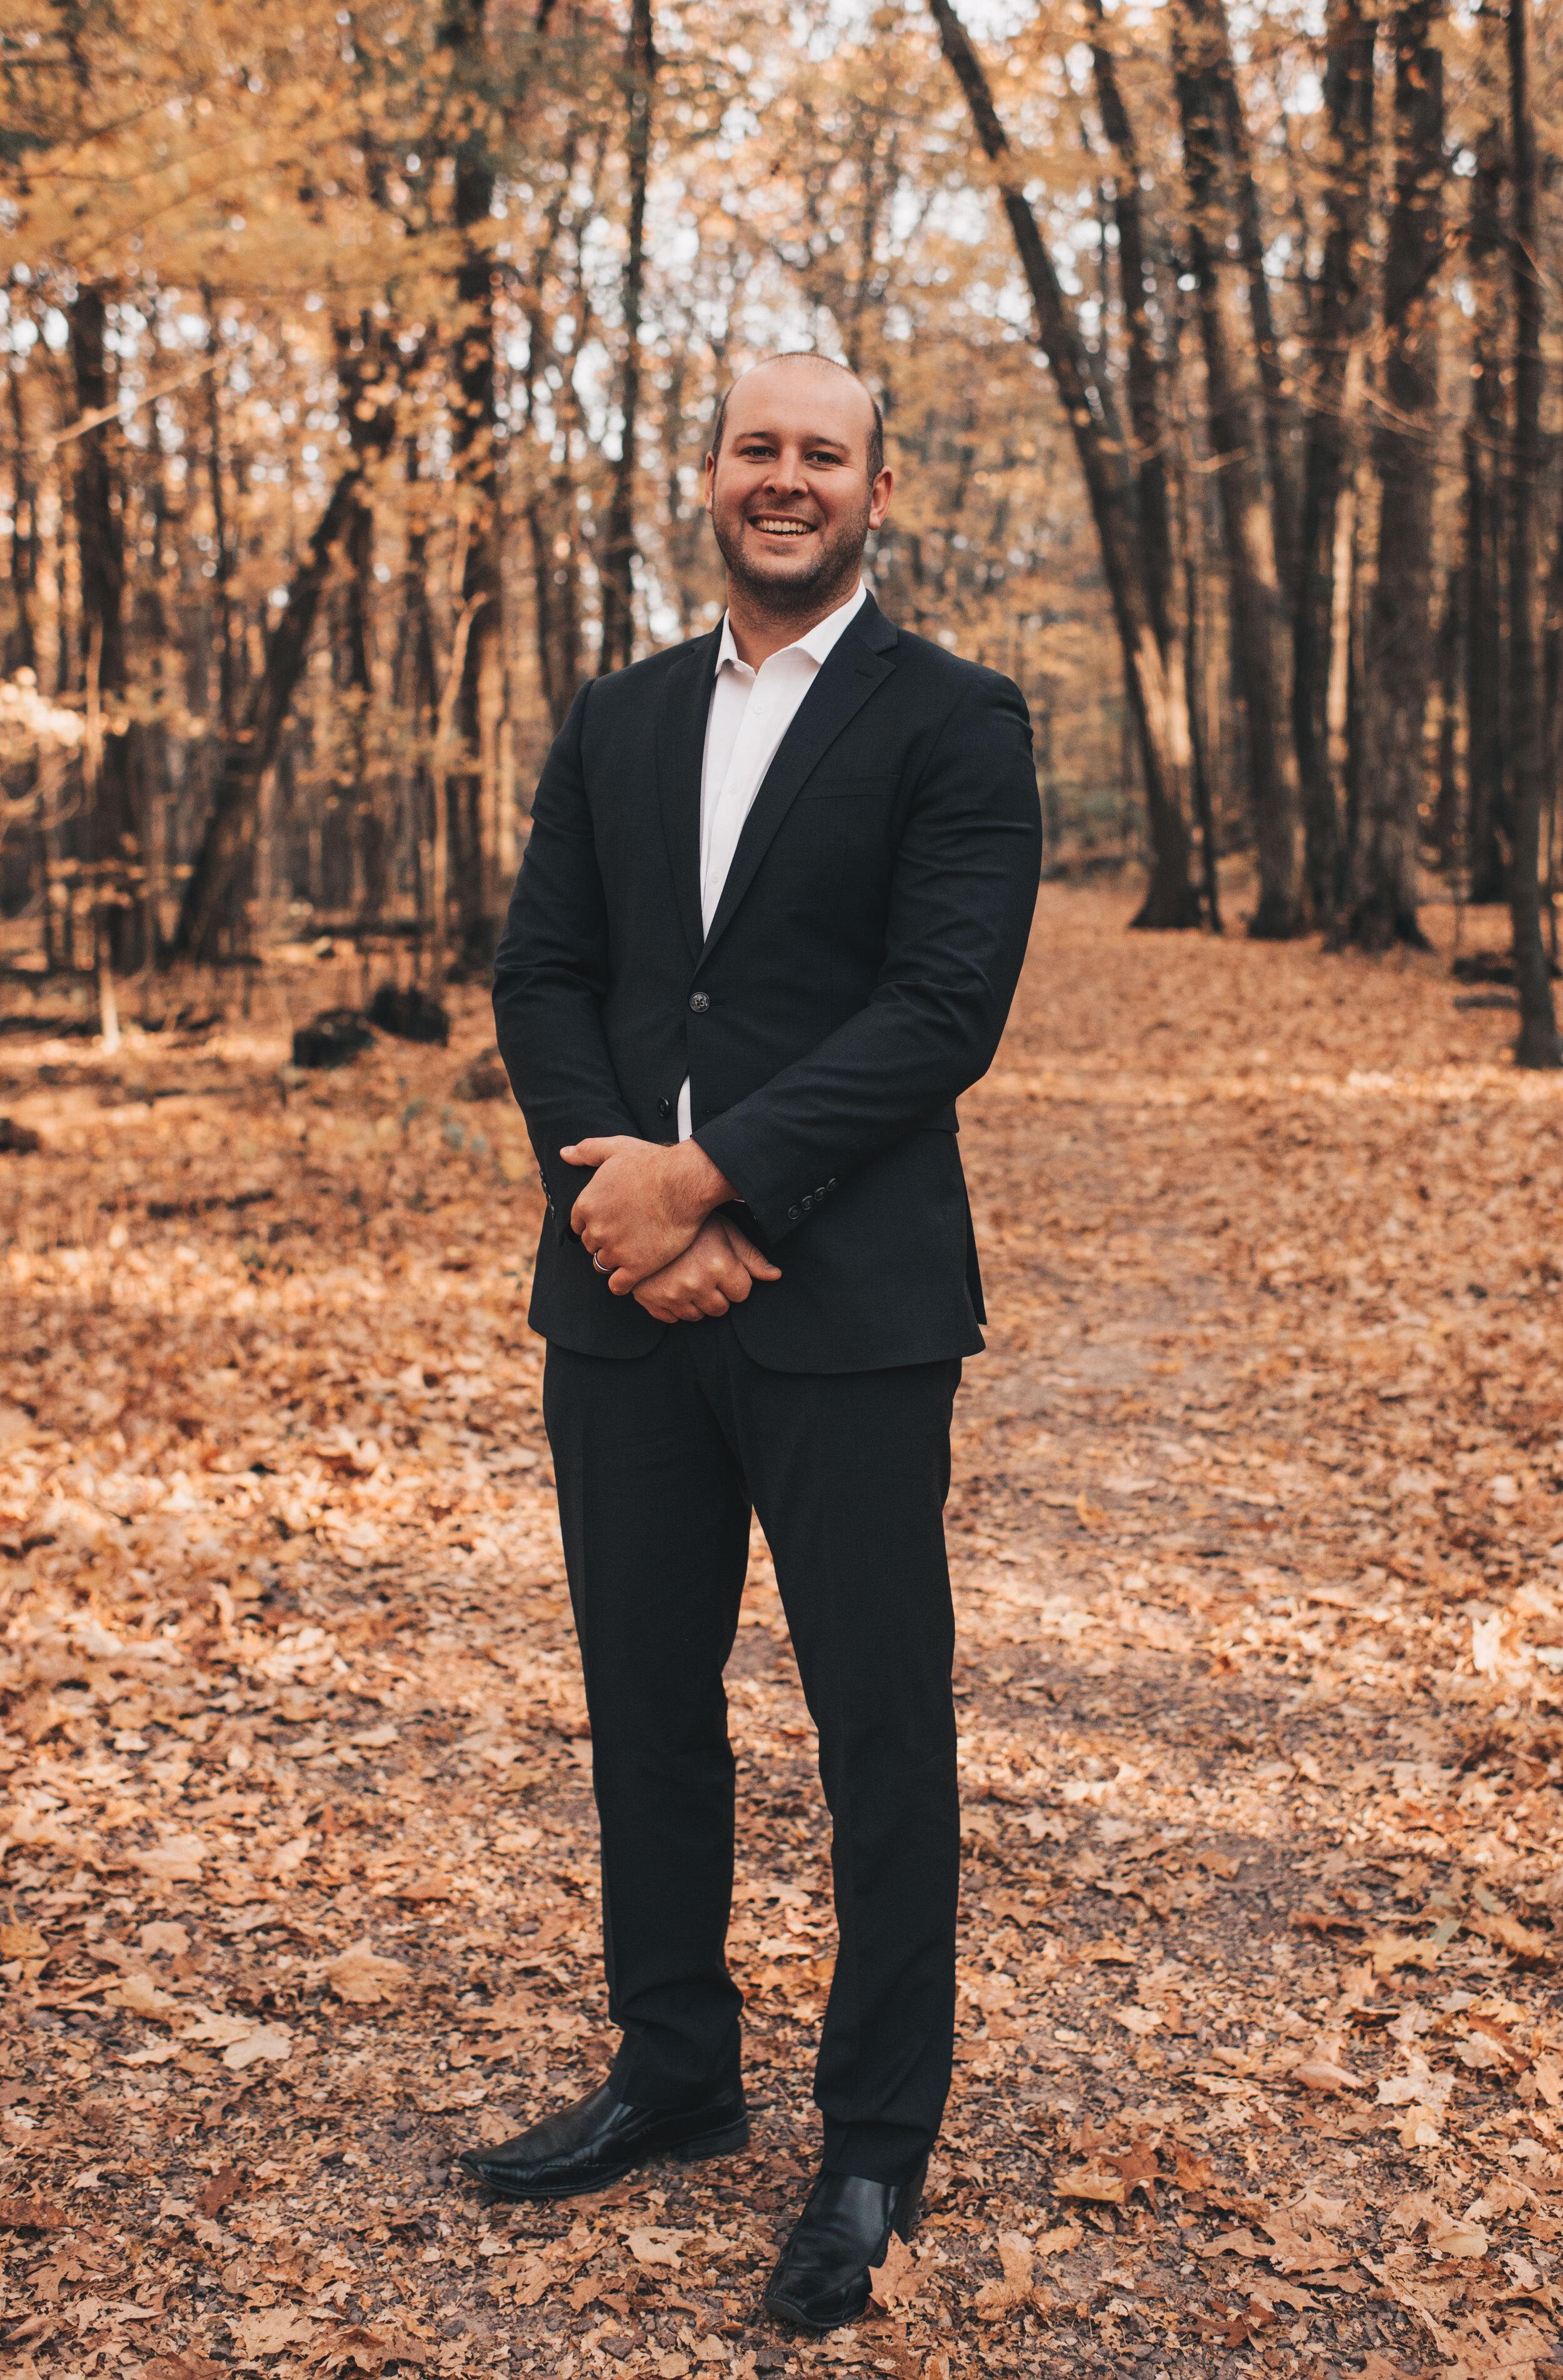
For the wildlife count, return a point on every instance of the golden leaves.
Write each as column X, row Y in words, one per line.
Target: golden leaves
column 1019, row 2286
column 361, row 1975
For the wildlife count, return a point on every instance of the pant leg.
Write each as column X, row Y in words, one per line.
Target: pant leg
column 849, row 1475
column 655, row 1521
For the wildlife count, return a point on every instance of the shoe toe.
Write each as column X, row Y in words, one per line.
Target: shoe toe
column 809, row 2301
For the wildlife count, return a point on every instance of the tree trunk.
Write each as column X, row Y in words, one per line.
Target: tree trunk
column 1381, row 901
column 1171, row 900
column 1537, row 1044
column 366, row 401
column 1146, row 411
column 1552, row 724
column 1488, row 822
column 473, row 783
column 100, row 538
column 21, row 645
column 221, row 545
column 1451, row 639
column 1251, row 248
column 246, row 760
column 1259, row 636
column 615, row 562
column 1339, row 315
column 1191, row 581
column 556, row 610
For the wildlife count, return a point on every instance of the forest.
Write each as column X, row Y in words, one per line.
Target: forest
column 360, row 363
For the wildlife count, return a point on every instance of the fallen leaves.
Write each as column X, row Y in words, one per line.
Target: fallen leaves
column 1235, row 1717
column 358, row 2347
column 268, row 2331
column 224, row 2185
column 895, row 2281
column 1324, row 2074
column 652, row 2243
column 1099, row 2181
column 365, row 1978
column 32, row 2215
column 1018, row 2288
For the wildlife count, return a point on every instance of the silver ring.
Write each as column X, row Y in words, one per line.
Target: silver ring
column 598, row 1265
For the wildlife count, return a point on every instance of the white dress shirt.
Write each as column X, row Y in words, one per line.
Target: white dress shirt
column 751, row 711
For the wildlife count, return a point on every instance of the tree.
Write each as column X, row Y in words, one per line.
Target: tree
column 1260, row 636
column 615, row 560
column 1486, row 448
column 1157, row 702
column 1381, row 903
column 1339, row 315
column 230, row 824
column 1537, row 1044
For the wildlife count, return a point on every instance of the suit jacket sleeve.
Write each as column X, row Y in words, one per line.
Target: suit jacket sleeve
column 550, row 974
column 963, row 891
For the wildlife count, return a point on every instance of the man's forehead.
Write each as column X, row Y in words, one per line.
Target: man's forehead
column 812, row 400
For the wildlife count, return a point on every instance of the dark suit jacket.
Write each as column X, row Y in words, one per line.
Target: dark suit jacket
column 855, row 978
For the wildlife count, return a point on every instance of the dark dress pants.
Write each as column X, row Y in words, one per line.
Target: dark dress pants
column 657, row 1462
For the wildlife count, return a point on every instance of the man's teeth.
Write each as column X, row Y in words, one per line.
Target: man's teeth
column 784, row 528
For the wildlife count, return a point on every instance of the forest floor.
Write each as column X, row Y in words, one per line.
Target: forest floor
column 1258, row 1546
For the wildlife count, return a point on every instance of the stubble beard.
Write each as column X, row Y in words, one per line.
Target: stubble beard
column 836, row 567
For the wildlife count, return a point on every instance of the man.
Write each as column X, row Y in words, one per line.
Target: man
column 769, row 925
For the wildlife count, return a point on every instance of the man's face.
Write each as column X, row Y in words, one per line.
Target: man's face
column 789, row 495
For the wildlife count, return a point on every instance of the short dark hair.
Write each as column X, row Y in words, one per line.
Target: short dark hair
column 812, row 355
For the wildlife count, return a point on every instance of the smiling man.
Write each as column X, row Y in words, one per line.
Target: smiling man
column 767, row 927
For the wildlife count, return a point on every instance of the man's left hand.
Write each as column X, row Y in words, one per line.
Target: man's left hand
column 644, row 1204
column 716, row 1271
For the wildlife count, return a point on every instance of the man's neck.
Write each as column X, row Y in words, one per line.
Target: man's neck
column 758, row 632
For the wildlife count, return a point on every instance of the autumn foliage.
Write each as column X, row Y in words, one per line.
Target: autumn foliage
column 1256, row 1538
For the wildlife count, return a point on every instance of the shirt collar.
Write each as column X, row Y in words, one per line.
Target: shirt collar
column 819, row 641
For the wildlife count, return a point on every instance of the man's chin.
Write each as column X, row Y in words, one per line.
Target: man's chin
column 785, row 586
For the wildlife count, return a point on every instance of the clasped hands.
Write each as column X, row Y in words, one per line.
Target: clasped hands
column 647, row 1218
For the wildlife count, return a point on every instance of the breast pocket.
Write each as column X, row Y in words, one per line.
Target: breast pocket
column 838, row 785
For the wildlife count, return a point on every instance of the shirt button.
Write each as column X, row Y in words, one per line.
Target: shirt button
column 700, row 1001
column 794, row 1214
column 664, row 1107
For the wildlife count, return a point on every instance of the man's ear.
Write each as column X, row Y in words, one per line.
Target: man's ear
column 710, row 480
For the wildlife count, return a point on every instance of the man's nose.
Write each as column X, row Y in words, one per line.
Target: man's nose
column 786, row 476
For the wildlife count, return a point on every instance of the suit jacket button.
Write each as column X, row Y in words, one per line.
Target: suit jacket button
column 664, row 1107
column 700, row 1001
column 794, row 1214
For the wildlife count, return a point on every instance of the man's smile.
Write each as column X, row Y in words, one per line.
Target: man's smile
column 782, row 525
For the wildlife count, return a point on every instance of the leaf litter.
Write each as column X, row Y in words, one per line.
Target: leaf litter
column 1258, row 1552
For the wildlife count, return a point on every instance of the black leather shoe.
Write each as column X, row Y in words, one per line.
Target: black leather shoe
column 822, row 2280
column 591, row 2145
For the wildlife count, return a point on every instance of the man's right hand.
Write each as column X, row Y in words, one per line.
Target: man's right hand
column 716, row 1270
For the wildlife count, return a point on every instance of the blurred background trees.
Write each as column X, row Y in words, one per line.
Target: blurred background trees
column 360, row 363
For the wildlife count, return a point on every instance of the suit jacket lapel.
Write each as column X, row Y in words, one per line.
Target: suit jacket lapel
column 858, row 663
column 681, row 748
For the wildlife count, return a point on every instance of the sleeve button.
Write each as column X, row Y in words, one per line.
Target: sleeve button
column 794, row 1214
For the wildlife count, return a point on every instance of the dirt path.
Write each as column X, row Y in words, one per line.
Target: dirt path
column 1257, row 1537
